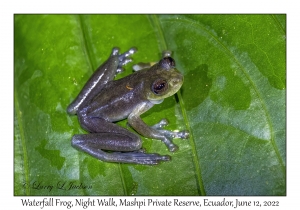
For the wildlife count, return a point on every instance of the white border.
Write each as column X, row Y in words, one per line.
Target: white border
column 291, row 8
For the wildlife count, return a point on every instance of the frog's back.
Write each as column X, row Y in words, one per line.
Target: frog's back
column 116, row 100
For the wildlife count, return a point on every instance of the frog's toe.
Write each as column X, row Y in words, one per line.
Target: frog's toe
column 161, row 124
column 123, row 58
column 119, row 70
column 172, row 147
column 132, row 50
column 154, row 159
column 145, row 158
column 115, row 51
column 183, row 134
column 121, row 64
column 125, row 61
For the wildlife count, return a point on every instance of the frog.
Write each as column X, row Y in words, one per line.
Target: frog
column 103, row 101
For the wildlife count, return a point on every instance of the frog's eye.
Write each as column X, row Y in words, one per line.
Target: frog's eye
column 159, row 86
column 167, row 63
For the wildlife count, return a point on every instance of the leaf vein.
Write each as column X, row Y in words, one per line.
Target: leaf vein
column 257, row 92
column 196, row 162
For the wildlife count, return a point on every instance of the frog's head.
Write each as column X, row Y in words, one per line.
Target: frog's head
column 165, row 80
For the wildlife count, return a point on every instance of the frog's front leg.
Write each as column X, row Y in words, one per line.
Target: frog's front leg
column 105, row 73
column 124, row 146
column 140, row 66
column 156, row 131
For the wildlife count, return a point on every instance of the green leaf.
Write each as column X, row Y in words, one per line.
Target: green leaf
column 232, row 102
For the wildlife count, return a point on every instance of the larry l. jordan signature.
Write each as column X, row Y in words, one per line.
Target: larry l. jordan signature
column 60, row 185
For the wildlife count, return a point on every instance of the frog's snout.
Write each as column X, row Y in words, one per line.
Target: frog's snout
column 176, row 80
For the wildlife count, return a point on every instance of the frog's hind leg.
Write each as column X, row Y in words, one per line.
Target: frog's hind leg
column 105, row 73
column 112, row 143
column 94, row 144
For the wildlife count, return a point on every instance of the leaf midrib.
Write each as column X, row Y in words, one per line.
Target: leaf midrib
column 163, row 45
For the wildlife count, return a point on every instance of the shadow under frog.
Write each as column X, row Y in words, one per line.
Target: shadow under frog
column 103, row 101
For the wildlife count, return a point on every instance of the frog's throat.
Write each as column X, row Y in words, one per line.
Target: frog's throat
column 156, row 101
